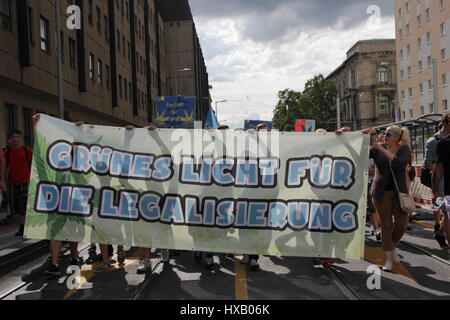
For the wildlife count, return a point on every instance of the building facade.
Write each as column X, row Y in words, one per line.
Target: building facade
column 114, row 67
column 423, row 51
column 186, row 69
column 366, row 84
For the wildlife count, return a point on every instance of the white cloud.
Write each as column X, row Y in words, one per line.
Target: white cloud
column 249, row 73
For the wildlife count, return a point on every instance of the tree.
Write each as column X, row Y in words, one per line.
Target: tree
column 316, row 102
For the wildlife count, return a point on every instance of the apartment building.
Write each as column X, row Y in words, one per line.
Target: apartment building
column 366, row 84
column 186, row 69
column 114, row 67
column 423, row 52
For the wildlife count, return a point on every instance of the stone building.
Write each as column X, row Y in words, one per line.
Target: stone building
column 366, row 84
column 423, row 52
column 114, row 67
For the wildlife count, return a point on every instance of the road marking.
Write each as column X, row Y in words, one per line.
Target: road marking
column 376, row 256
column 241, row 290
column 88, row 271
column 423, row 224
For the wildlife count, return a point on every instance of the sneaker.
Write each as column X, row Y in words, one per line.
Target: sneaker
column 165, row 255
column 209, row 263
column 103, row 267
column 198, row 257
column 121, row 256
column 378, row 235
column 245, row 259
column 254, row 265
column 53, row 270
column 440, row 240
column 146, row 267
column 92, row 249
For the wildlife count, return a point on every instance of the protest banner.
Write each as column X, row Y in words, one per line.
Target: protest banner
column 290, row 194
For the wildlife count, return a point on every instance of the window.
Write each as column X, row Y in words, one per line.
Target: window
column 30, row 25
column 422, row 110
column 443, row 29
column 409, row 71
column 91, row 66
column 401, row 53
column 407, row 29
column 99, row 19
column 27, row 116
column 400, row 32
column 105, row 19
column 428, row 13
column 383, row 74
column 108, row 76
column 431, row 108
column 419, row 20
column 443, row 54
column 90, row 13
column 408, row 50
column 410, row 92
column 430, row 61
column 411, row 114
column 430, row 85
column 444, row 80
column 403, row 94
column 419, row 43
column 421, row 88
column 45, row 43
column 402, row 74
column 118, row 40
column 428, row 37
column 442, row 4
column 100, row 71
column 5, row 14
column 120, row 86
column 420, row 65
column 72, row 53
column 445, row 104
column 125, row 85
column 384, row 105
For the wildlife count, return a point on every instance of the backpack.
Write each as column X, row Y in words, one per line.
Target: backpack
column 426, row 174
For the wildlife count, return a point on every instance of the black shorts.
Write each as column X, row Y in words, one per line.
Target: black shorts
column 18, row 196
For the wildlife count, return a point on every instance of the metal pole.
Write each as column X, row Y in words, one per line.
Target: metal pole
column 176, row 83
column 338, row 107
column 59, row 62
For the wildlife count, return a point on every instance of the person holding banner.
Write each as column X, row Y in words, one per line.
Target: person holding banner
column 55, row 245
column 391, row 160
column 165, row 255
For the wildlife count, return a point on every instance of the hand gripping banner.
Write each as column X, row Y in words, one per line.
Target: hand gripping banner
column 290, row 194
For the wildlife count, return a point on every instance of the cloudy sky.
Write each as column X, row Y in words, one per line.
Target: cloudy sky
column 255, row 48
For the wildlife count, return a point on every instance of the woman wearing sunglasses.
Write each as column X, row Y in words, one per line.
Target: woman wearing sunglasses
column 393, row 152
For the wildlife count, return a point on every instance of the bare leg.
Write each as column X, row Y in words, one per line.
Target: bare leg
column 55, row 248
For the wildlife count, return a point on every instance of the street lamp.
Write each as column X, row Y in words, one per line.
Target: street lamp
column 217, row 115
column 176, row 78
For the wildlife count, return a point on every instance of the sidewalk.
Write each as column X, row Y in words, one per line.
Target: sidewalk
column 14, row 250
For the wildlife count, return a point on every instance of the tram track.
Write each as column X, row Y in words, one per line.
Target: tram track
column 337, row 280
column 426, row 252
column 22, row 284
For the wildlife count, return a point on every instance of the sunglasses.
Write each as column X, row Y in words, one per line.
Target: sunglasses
column 388, row 134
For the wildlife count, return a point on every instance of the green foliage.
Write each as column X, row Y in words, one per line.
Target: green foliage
column 316, row 102
column 55, row 222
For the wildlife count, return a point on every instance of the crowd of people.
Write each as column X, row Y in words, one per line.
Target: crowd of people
column 390, row 173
